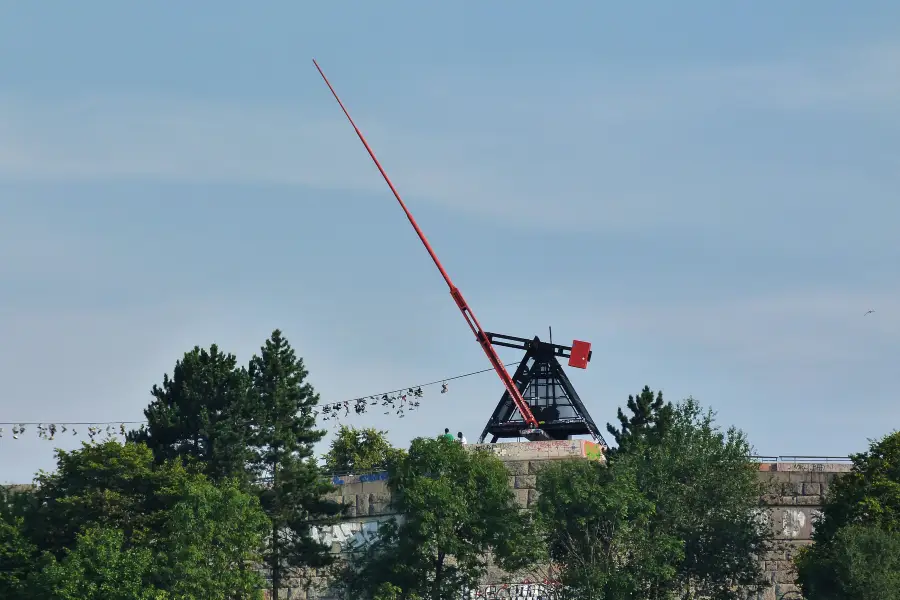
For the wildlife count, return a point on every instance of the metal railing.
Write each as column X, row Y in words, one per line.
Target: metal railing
column 800, row 459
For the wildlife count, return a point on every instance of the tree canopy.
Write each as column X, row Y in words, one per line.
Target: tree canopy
column 199, row 414
column 707, row 493
column 456, row 508
column 687, row 502
column 16, row 551
column 598, row 530
column 649, row 420
column 256, row 425
column 112, row 523
column 355, row 450
column 99, row 567
column 856, row 554
column 281, row 410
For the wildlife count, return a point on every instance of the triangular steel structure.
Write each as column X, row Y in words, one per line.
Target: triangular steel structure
column 548, row 392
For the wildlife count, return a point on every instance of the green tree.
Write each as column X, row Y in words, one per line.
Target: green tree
column 17, row 554
column 860, row 562
column 257, row 425
column 210, row 534
column 360, row 451
column 198, row 536
column 199, row 414
column 649, row 420
column 281, row 408
column 99, row 567
column 856, row 553
column 456, row 508
column 599, row 532
column 387, row 591
column 707, row 493
column 106, row 484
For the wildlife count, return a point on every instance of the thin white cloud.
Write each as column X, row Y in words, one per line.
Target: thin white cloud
column 799, row 327
column 861, row 81
column 33, row 250
column 628, row 152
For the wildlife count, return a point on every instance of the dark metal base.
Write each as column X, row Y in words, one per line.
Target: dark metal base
column 553, row 401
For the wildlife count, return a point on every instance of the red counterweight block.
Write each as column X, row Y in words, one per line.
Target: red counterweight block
column 580, row 354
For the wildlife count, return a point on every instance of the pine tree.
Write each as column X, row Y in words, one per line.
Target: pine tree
column 649, row 420
column 281, row 444
column 198, row 414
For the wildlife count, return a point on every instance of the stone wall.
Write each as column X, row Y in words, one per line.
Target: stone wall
column 368, row 495
column 795, row 499
column 797, row 491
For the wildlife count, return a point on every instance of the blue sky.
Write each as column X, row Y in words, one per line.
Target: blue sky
column 706, row 193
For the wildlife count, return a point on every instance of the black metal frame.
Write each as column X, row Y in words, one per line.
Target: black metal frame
column 539, row 363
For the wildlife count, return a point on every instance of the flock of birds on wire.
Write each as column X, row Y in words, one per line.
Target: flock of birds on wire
column 399, row 403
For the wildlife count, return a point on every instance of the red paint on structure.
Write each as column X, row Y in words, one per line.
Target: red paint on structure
column 578, row 356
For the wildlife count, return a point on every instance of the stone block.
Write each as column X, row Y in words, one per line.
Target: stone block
column 812, row 489
column 782, row 565
column 535, row 466
column 788, row 591
column 521, row 497
column 349, row 503
column 362, row 505
column 375, row 487
column 770, row 499
column 790, row 551
column 789, row 488
column 821, row 467
column 808, row 500
column 525, row 481
column 785, row 577
column 818, row 477
column 533, row 496
column 787, row 501
column 379, row 504
column 352, row 489
column 774, row 554
column 768, row 594
column 517, row 467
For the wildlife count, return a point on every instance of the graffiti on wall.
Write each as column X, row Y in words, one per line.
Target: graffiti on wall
column 792, row 522
column 366, row 478
column 512, row 591
column 529, row 449
column 348, row 536
column 592, row 450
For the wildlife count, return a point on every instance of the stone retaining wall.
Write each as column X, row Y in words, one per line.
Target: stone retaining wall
column 796, row 496
column 797, row 493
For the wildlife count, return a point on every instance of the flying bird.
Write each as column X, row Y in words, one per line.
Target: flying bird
column 868, row 312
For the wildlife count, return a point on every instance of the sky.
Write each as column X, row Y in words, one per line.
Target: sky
column 705, row 191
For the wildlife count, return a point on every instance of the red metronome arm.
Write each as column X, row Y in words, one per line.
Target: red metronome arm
column 461, row 303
